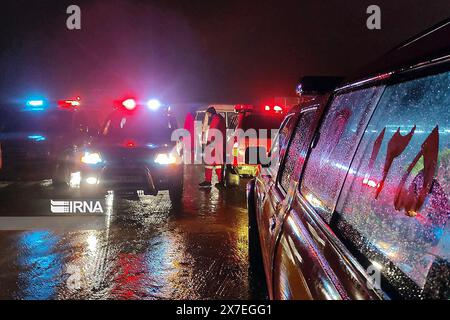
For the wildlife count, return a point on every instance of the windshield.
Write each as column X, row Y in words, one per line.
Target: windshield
column 141, row 127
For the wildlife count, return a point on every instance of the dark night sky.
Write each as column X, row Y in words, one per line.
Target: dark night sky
column 230, row 51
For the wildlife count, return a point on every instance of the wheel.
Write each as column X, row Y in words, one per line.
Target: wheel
column 257, row 276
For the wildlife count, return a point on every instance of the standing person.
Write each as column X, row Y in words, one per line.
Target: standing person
column 214, row 160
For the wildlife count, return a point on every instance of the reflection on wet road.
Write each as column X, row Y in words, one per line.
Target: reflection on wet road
column 148, row 250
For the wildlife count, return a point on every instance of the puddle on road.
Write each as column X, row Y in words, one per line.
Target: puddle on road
column 148, row 250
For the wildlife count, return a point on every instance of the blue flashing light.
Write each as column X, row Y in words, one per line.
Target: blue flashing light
column 37, row 138
column 35, row 105
column 153, row 104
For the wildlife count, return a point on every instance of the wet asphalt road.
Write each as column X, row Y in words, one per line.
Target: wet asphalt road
column 146, row 248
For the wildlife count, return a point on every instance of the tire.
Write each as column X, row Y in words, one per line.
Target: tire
column 257, row 276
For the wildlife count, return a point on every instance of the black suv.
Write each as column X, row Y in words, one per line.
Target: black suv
column 357, row 206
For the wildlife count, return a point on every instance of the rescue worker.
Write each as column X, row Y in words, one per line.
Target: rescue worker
column 215, row 158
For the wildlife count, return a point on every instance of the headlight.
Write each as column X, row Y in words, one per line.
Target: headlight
column 91, row 158
column 165, row 158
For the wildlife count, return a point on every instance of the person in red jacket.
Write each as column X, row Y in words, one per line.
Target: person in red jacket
column 214, row 154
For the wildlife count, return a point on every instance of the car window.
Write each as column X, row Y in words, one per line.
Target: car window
column 395, row 206
column 232, row 120
column 340, row 133
column 280, row 144
column 296, row 149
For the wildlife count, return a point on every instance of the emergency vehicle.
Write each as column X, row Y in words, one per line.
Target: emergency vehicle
column 227, row 111
column 132, row 153
column 38, row 136
column 258, row 125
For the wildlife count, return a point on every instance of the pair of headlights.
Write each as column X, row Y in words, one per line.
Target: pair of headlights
column 94, row 158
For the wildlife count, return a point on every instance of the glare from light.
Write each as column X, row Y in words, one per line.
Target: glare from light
column 92, row 242
column 154, row 104
column 75, row 179
column 37, row 138
column 277, row 108
column 129, row 104
column 91, row 180
column 377, row 265
column 74, row 103
column 35, row 103
column 267, row 108
column 165, row 159
column 91, row 158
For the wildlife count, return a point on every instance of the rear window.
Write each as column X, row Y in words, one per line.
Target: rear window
column 394, row 209
column 257, row 121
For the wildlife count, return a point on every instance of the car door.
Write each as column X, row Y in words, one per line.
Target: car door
column 276, row 201
column 266, row 180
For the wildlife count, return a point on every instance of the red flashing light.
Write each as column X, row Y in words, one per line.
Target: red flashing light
column 277, row 109
column 267, row 108
column 71, row 103
column 130, row 144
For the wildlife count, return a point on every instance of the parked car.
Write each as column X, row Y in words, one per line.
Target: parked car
column 38, row 136
column 357, row 206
